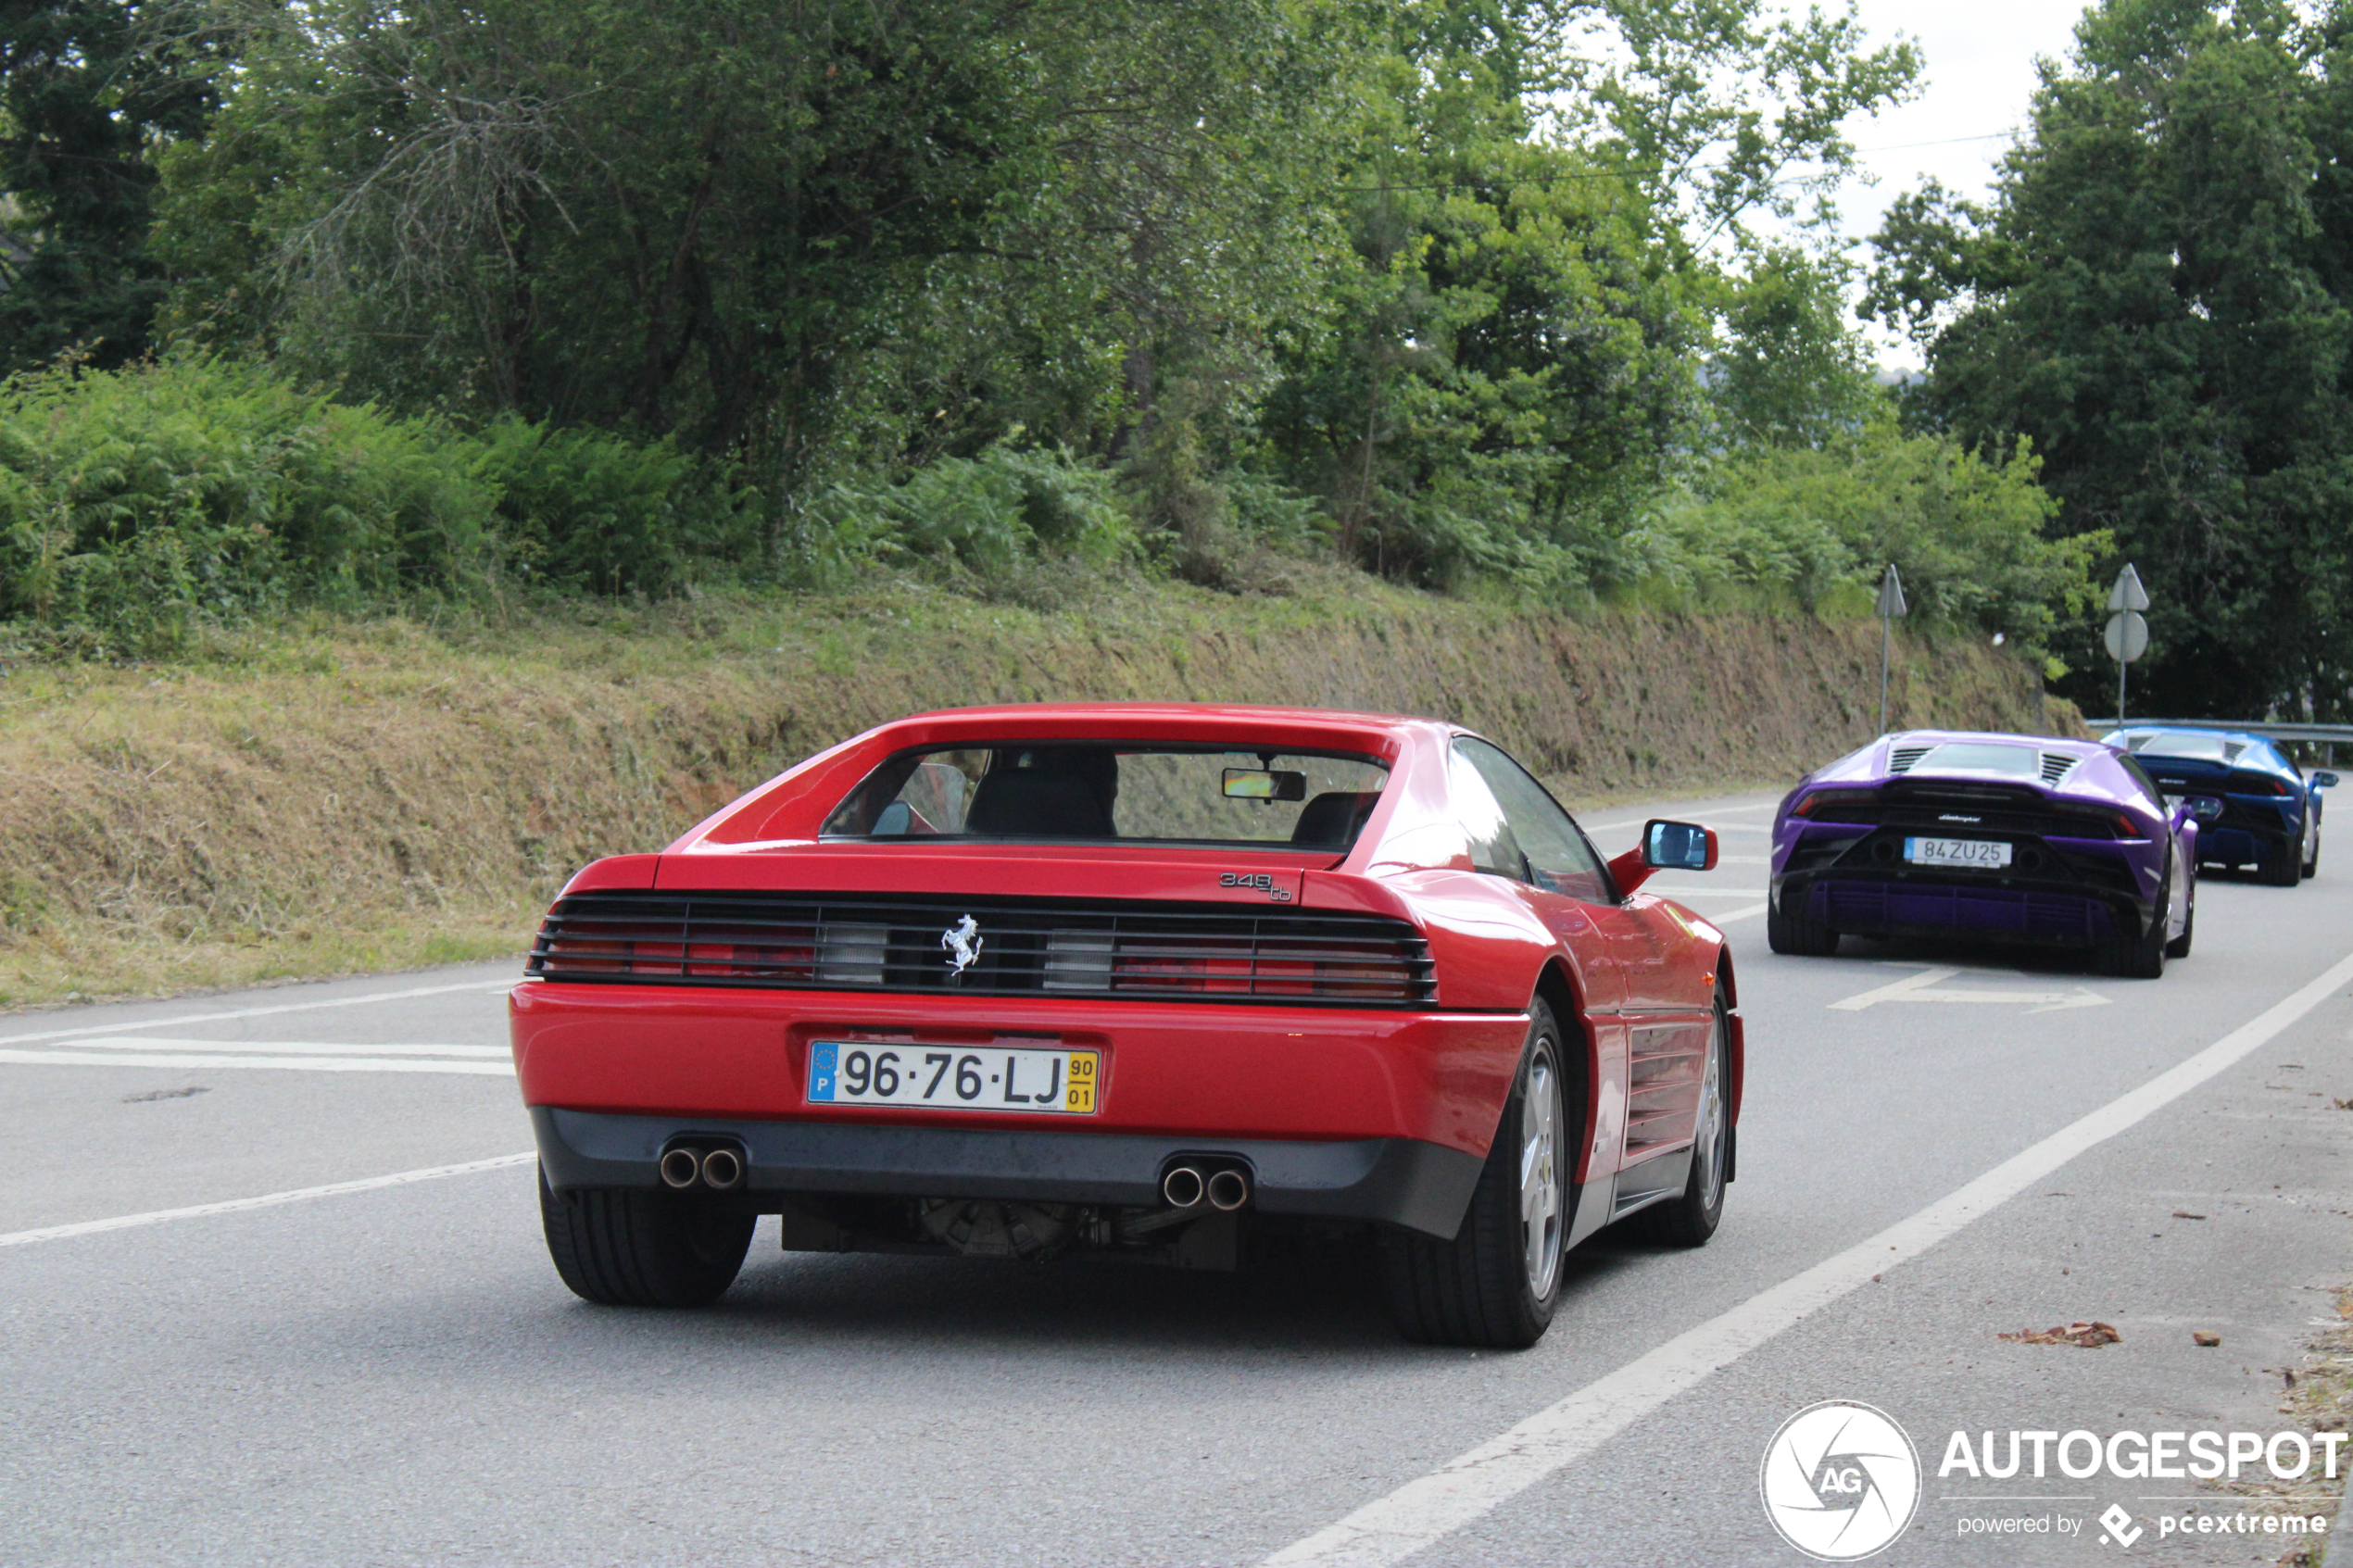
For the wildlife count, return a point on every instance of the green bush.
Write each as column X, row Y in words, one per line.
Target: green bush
column 136, row 503
column 587, row 510
column 1817, row 523
column 133, row 502
column 988, row 514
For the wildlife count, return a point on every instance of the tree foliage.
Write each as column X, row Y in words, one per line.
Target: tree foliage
column 1455, row 289
column 86, row 95
column 2158, row 298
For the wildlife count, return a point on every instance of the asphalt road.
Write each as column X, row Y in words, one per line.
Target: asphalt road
column 393, row 1374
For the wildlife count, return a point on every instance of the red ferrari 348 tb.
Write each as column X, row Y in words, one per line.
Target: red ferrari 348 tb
column 1137, row 979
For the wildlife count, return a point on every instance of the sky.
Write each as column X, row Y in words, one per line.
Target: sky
column 1980, row 77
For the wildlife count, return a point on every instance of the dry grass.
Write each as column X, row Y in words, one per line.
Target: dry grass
column 329, row 796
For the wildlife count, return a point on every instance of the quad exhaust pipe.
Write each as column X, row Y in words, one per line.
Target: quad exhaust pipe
column 721, row 1169
column 1225, row 1188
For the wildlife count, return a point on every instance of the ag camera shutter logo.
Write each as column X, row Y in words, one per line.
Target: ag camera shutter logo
column 1840, row 1481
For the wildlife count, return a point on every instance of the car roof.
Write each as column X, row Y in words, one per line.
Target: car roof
column 1385, row 732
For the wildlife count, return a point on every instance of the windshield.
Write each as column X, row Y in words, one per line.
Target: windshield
column 1099, row 792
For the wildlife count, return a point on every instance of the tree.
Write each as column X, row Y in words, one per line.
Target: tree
column 2157, row 298
column 798, row 236
column 86, row 98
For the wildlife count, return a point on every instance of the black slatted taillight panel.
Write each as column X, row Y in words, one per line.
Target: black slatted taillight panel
column 992, row 948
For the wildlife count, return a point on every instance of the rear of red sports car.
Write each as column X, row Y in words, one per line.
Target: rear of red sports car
column 1015, row 982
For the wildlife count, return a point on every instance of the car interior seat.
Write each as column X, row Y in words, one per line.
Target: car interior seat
column 1334, row 817
column 1024, row 803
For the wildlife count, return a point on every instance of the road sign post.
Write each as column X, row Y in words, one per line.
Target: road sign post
column 1891, row 604
column 2128, row 633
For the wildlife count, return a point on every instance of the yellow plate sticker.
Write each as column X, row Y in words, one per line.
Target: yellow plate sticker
column 1079, row 1097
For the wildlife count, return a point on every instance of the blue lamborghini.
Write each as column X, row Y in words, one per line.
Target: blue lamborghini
column 2272, row 809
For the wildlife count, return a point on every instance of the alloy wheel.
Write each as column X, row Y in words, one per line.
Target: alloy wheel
column 1542, row 1205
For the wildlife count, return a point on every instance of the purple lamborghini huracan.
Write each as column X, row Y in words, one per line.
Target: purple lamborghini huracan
column 1992, row 838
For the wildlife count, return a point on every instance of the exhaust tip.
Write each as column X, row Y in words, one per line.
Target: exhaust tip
column 1182, row 1186
column 723, row 1170
column 1229, row 1190
column 680, row 1168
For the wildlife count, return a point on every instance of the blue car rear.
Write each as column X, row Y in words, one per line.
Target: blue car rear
column 2271, row 817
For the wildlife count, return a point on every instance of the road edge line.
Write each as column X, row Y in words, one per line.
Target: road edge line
column 266, row 1200
column 1468, row 1487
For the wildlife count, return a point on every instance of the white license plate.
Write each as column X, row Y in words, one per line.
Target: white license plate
column 1976, row 853
column 954, row 1077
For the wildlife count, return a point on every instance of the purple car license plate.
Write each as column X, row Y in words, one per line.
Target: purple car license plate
column 1970, row 854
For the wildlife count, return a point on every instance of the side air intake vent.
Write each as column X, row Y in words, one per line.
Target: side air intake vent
column 2056, row 764
column 1900, row 760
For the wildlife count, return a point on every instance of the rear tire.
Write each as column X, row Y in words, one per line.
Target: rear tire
column 1691, row 1219
column 643, row 1248
column 2180, row 947
column 1497, row 1282
column 2281, row 867
column 2312, row 861
column 2137, row 958
column 1796, row 934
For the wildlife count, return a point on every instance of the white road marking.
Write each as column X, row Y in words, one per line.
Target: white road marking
column 1752, row 911
column 262, row 1012
column 291, row 1063
column 1926, row 987
column 287, row 1047
column 267, row 1200
column 1470, row 1486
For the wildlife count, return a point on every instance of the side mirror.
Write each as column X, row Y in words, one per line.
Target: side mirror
column 2323, row 780
column 2203, row 807
column 1679, row 846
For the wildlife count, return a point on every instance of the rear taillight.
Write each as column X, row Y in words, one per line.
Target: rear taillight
column 1821, row 799
column 1333, row 967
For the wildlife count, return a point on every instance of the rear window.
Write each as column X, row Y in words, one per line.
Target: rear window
column 1097, row 792
column 1980, row 757
column 2188, row 747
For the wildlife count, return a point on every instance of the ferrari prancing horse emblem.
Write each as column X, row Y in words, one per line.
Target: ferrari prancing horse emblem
column 962, row 942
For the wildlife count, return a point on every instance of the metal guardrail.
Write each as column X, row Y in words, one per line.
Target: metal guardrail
column 2330, row 733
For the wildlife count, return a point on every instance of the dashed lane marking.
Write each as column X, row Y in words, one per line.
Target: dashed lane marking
column 97, row 1056
column 267, row 1200
column 119, row 1028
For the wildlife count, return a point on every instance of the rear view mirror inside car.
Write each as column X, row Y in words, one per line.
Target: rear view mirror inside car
column 1265, row 783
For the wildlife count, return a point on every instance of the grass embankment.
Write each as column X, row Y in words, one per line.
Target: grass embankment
column 341, row 796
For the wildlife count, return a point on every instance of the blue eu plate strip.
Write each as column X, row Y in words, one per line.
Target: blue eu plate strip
column 822, row 1065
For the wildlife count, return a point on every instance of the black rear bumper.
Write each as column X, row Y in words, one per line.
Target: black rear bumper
column 1400, row 1181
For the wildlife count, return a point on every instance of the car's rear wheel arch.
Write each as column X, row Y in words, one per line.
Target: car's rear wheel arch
column 1581, row 1068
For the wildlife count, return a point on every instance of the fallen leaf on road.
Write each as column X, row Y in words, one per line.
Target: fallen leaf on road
column 2090, row 1335
column 2185, row 1214
column 2200, row 1336
column 2343, row 1104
